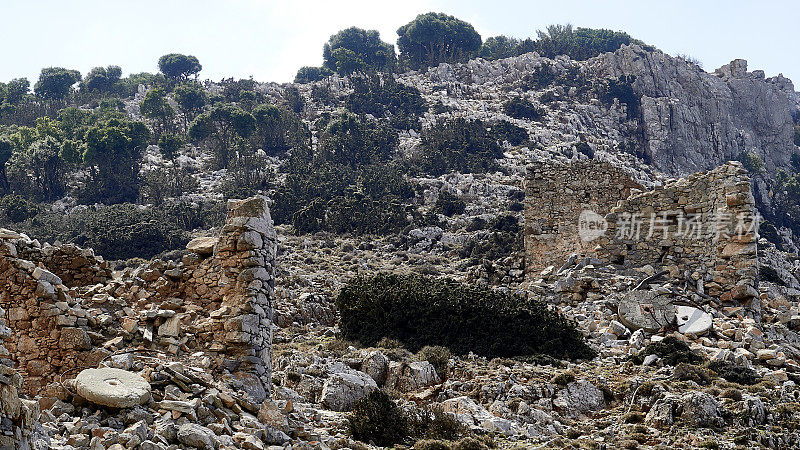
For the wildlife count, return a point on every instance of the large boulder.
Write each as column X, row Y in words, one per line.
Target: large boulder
column 342, row 390
column 579, row 398
column 700, row 409
column 115, row 388
column 197, row 436
column 410, row 377
column 475, row 416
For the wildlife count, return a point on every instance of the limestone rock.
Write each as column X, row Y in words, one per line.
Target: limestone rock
column 342, row 390
column 409, row 377
column 700, row 409
column 202, row 245
column 579, row 397
column 197, row 436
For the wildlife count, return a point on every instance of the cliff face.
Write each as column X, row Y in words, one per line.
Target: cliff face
column 692, row 120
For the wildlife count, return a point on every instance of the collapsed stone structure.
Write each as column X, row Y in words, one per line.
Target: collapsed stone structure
column 555, row 196
column 704, row 225
column 68, row 314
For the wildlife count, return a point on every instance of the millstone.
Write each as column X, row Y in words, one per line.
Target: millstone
column 116, row 388
column 693, row 320
column 648, row 310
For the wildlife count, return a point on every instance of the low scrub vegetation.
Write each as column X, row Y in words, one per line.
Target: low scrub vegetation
column 418, row 311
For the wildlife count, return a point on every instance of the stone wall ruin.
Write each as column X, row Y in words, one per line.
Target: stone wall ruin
column 213, row 307
column 703, row 226
column 555, row 196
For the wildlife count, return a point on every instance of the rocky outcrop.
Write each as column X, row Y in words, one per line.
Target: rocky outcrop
column 693, row 120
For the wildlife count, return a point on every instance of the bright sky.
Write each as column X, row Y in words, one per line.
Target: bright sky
column 270, row 39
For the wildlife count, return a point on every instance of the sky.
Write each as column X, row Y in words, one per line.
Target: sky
column 269, row 40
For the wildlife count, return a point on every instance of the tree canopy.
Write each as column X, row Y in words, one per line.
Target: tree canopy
column 178, row 66
column 222, row 127
column 355, row 49
column 101, row 79
column 55, row 83
column 435, row 38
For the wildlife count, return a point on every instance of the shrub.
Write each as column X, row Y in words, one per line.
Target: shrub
column 383, row 95
column 581, row 43
column 350, row 140
column 735, row 373
column 439, row 357
column 505, row 239
column 377, row 419
column 419, row 311
column 125, row 231
column 431, row 444
column 457, row 145
column 309, row 74
column 564, row 378
column 435, row 423
column 17, row 208
column 622, row 90
column 521, row 108
column 470, row 443
column 449, row 204
column 167, row 182
column 752, row 162
column 796, row 138
column 671, row 351
column 504, row 130
column 341, row 198
column 691, row 372
column 247, row 175
column 541, row 77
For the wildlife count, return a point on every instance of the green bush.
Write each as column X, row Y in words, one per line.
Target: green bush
column 796, row 138
column 162, row 183
column 125, row 231
column 691, row 372
column 622, row 90
column 438, row 356
column 377, row 419
column 449, row 204
column 420, row 311
column 308, row 74
column 383, row 96
column 521, row 108
column 247, row 175
column 349, row 140
column 17, row 208
column 505, row 239
column 504, row 130
column 735, row 373
column 457, row 145
column 340, row 198
column 432, row 444
column 434, row 423
column 541, row 77
column 581, row 43
column 671, row 351
column 752, row 162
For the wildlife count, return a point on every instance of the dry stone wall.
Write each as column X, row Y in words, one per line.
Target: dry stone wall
column 216, row 305
column 705, row 224
column 556, row 194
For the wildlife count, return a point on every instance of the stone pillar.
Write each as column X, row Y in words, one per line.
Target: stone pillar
column 246, row 249
column 18, row 417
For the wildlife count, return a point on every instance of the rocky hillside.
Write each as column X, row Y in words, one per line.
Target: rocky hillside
column 171, row 320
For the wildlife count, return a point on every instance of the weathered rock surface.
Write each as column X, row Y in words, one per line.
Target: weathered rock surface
column 342, row 390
